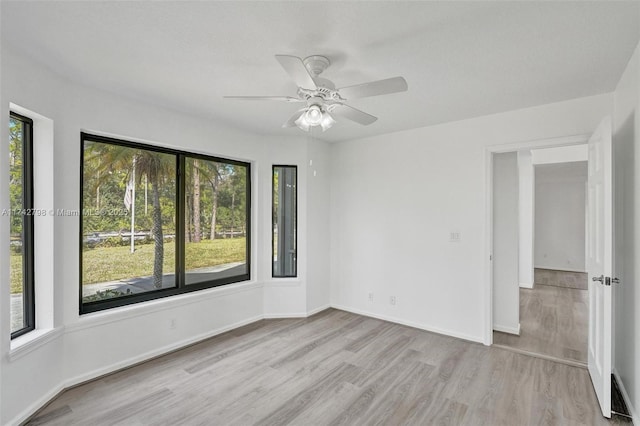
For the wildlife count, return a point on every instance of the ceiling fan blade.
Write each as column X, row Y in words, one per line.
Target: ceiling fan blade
column 350, row 113
column 265, row 98
column 298, row 72
column 374, row 88
column 292, row 121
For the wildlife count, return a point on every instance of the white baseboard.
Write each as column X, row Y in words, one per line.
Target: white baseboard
column 297, row 315
column 280, row 316
column 634, row 415
column 318, row 309
column 526, row 285
column 37, row 405
column 507, row 329
column 92, row 375
column 425, row 327
column 560, row 268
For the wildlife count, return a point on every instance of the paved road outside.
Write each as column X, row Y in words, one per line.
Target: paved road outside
column 140, row 285
column 144, row 284
column 16, row 312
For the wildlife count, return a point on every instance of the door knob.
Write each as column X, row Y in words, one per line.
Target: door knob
column 600, row 278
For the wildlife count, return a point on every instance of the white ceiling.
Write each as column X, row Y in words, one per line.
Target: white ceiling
column 460, row 59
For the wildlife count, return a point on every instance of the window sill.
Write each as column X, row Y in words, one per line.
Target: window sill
column 20, row 346
column 122, row 313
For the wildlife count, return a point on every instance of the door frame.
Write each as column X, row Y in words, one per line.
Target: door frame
column 489, row 151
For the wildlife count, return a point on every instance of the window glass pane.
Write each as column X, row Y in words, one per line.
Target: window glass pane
column 16, row 195
column 127, row 191
column 215, row 220
column 284, row 221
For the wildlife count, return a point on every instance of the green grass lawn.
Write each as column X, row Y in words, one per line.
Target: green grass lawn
column 114, row 263
column 15, row 279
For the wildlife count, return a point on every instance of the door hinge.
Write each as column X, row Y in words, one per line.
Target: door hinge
column 607, row 281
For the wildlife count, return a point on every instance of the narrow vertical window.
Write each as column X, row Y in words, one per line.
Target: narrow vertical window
column 285, row 220
column 22, row 305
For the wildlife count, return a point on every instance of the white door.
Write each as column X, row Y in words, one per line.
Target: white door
column 599, row 262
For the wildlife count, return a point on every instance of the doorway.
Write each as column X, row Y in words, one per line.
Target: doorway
column 552, row 294
column 546, row 152
column 599, row 252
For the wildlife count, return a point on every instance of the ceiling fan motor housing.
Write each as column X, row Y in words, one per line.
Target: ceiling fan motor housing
column 316, row 64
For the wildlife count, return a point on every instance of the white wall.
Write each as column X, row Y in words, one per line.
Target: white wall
column 506, row 296
column 83, row 347
column 396, row 198
column 560, row 211
column 318, row 206
column 626, row 143
column 526, row 202
column 561, row 154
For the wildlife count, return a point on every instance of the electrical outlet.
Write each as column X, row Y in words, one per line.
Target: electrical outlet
column 370, row 297
column 454, row 237
column 392, row 300
column 172, row 323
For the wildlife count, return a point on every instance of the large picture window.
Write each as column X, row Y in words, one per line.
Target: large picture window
column 285, row 217
column 22, row 304
column 157, row 222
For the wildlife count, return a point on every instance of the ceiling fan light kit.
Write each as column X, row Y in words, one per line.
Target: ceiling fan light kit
column 323, row 100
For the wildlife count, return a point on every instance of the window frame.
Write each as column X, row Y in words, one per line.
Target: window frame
column 28, row 266
column 273, row 270
column 181, row 286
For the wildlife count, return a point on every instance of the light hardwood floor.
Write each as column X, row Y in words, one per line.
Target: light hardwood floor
column 560, row 278
column 554, row 321
column 335, row 368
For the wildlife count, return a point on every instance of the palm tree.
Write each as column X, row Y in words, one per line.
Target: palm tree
column 156, row 166
column 15, row 173
column 197, row 233
column 214, row 174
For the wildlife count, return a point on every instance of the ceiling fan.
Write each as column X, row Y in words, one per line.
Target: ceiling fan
column 323, row 101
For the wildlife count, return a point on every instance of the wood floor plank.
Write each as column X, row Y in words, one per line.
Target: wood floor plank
column 560, row 278
column 449, row 413
column 369, row 338
column 373, row 366
column 294, row 407
column 402, row 395
column 553, row 322
column 309, row 346
column 335, row 368
column 54, row 415
column 362, row 407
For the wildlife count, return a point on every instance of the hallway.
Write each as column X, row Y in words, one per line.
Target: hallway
column 553, row 317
